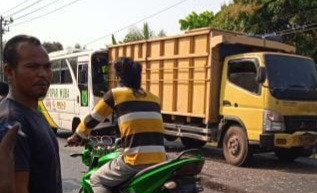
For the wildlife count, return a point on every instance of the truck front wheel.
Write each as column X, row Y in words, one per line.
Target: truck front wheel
column 287, row 155
column 192, row 143
column 235, row 146
column 170, row 137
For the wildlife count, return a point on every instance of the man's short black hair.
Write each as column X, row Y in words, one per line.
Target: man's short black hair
column 10, row 54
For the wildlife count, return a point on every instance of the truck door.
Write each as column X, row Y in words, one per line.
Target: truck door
column 242, row 97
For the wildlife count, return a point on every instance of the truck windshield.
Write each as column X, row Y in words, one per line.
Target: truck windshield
column 100, row 69
column 291, row 77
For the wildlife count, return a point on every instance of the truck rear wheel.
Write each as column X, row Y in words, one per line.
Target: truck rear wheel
column 170, row 137
column 192, row 143
column 235, row 146
column 287, row 155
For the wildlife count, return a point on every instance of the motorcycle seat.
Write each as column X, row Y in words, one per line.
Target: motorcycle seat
column 152, row 167
column 165, row 162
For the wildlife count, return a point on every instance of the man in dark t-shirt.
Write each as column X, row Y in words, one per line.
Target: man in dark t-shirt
column 37, row 152
column 28, row 70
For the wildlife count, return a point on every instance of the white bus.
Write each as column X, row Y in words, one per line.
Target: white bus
column 80, row 78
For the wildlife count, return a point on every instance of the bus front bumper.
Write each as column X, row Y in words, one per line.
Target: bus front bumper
column 284, row 140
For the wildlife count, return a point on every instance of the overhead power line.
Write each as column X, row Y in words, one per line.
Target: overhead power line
column 299, row 31
column 24, row 8
column 18, row 5
column 303, row 27
column 132, row 24
column 40, row 16
column 35, row 10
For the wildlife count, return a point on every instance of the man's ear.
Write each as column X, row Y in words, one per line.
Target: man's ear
column 8, row 71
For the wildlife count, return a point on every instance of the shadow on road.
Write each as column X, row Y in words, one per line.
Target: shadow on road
column 219, row 187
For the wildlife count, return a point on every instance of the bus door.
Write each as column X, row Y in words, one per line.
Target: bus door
column 83, row 97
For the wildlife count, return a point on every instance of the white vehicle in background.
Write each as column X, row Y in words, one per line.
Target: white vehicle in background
column 80, row 78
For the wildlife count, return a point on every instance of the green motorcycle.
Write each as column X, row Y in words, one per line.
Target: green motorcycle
column 178, row 175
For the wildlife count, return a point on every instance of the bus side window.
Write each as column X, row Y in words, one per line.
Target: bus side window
column 66, row 78
column 56, row 65
column 73, row 64
column 82, row 74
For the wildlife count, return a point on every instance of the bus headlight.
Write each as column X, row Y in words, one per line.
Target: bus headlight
column 273, row 121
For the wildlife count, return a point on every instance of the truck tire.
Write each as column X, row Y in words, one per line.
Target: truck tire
column 287, row 155
column 192, row 143
column 170, row 137
column 307, row 152
column 235, row 146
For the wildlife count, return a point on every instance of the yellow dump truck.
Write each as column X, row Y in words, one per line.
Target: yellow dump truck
column 244, row 93
column 247, row 94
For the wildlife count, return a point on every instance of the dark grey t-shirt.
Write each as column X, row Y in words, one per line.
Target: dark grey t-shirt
column 36, row 153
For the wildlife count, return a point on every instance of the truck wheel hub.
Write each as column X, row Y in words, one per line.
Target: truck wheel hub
column 233, row 145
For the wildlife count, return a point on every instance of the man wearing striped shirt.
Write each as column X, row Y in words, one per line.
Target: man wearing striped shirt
column 140, row 123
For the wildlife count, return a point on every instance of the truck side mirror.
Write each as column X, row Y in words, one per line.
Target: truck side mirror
column 261, row 75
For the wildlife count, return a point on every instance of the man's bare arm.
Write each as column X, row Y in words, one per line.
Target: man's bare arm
column 21, row 182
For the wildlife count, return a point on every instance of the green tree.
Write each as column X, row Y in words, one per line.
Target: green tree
column 77, row 46
column 195, row 20
column 114, row 41
column 294, row 20
column 52, row 46
column 162, row 33
column 145, row 33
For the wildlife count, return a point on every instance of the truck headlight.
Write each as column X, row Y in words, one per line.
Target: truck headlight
column 273, row 121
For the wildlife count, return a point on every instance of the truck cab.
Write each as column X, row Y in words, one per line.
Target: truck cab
column 270, row 99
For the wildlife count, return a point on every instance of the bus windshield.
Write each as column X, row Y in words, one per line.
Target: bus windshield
column 291, row 77
column 100, row 74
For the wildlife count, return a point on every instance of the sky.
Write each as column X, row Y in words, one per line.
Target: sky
column 91, row 22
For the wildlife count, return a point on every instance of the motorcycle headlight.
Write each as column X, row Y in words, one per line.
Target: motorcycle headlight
column 273, row 121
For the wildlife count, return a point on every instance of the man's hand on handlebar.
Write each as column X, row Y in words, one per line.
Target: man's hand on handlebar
column 75, row 140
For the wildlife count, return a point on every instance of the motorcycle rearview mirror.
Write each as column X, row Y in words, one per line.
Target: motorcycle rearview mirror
column 261, row 75
column 75, row 154
column 118, row 141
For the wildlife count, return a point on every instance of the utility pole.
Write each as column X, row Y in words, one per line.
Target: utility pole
column 3, row 23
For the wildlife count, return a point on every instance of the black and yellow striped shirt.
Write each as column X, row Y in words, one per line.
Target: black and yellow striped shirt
column 140, row 123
